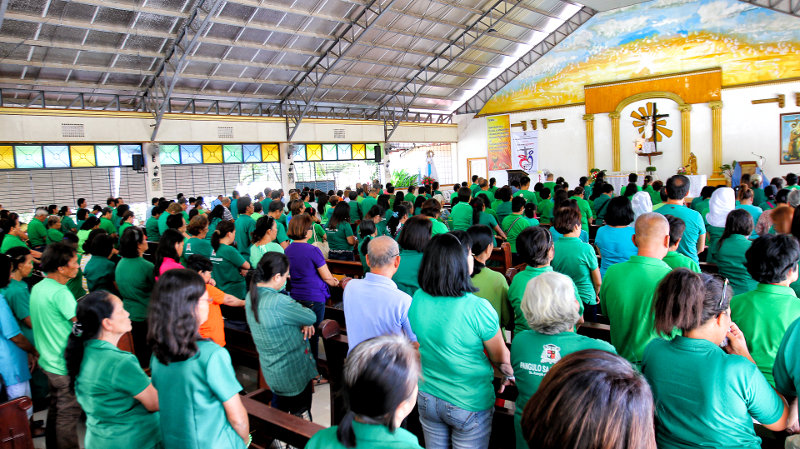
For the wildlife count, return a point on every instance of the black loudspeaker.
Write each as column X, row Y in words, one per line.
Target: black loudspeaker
column 138, row 161
column 378, row 154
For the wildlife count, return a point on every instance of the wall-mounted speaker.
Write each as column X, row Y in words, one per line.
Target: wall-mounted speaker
column 138, row 161
column 378, row 154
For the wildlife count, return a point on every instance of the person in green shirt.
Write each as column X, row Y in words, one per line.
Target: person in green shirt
column 151, row 225
column 52, row 309
column 340, row 233
column 577, row 259
column 14, row 235
column 54, row 233
column 275, row 211
column 432, row 209
column 585, row 208
column 745, row 202
column 377, row 404
column 16, row 293
column 721, row 392
column 655, row 193
column 107, row 225
column 354, row 210
column 545, row 206
column 492, row 285
column 503, row 208
column 198, row 393
column 126, row 221
column 67, row 223
column 694, row 237
column 524, row 190
column 758, row 189
column 229, row 264
column 484, row 190
column 413, row 241
column 244, row 226
column 172, row 209
column 120, row 403
column 366, row 204
column 731, row 249
column 264, row 239
column 626, row 296
column 461, row 213
column 234, row 206
column 135, row 280
column 633, row 178
column 513, row 224
column 701, row 202
column 456, row 394
column 410, row 197
column 765, row 313
column 197, row 242
column 673, row 258
column 480, row 217
column 475, row 186
column 37, row 231
column 551, row 309
column 99, row 271
column 549, row 183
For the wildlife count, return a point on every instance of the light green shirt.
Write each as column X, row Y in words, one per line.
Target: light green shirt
column 461, row 216
column 11, row 241
column 438, row 227
column 368, row 436
column 244, row 225
column 258, row 251
column 730, row 262
column 677, row 260
column 513, row 225
column 19, row 300
column 527, row 194
column 37, row 233
column 577, row 260
column 493, row 287
column 52, row 311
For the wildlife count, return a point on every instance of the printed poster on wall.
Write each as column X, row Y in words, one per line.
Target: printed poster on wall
column 525, row 151
column 499, row 142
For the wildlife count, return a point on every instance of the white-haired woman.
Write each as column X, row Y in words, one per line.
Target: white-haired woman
column 551, row 310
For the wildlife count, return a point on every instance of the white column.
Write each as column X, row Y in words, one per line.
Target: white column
column 152, row 164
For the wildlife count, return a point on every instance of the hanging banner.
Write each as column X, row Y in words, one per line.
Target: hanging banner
column 525, row 151
column 499, row 142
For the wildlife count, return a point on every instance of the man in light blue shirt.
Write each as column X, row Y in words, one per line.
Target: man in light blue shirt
column 694, row 237
column 374, row 305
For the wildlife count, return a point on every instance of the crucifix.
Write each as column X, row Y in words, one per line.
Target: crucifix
column 651, row 133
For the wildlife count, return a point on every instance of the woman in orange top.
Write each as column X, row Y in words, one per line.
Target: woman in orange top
column 213, row 328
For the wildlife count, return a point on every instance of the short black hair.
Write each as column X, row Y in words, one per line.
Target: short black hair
column 481, row 236
column 566, row 218
column 464, row 194
column 199, row 263
column 771, row 257
column 129, row 242
column 677, row 187
column 175, row 221
column 446, row 270
column 275, row 205
column 503, row 194
column 782, row 196
column 676, row 228
column 607, row 188
column 55, row 256
column 416, row 233
column 533, row 244
column 102, row 245
column 545, row 193
column 518, row 203
column 524, row 180
column 791, row 179
column 242, row 204
column 633, row 177
column 619, row 212
column 739, row 221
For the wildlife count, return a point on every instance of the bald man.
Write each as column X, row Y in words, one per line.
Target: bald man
column 626, row 295
column 374, row 305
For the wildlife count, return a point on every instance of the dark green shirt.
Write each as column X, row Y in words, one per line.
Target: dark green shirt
column 37, row 233
column 407, row 275
column 99, row 274
column 227, row 262
column 730, row 262
column 151, row 228
column 244, row 226
column 135, row 282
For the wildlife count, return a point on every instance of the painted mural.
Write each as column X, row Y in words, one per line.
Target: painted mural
column 750, row 43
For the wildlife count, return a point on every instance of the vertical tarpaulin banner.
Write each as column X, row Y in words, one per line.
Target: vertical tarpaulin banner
column 525, row 151
column 499, row 142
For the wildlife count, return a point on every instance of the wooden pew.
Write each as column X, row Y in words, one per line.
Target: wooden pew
column 336, row 347
column 150, row 254
column 511, row 272
column 15, row 431
column 241, row 347
column 599, row 331
column 268, row 424
column 708, row 267
column 501, row 256
column 345, row 268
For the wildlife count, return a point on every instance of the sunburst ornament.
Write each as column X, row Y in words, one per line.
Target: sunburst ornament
column 642, row 122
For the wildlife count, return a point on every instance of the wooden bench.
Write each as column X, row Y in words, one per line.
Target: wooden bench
column 599, row 331
column 268, row 424
column 501, row 256
column 708, row 267
column 513, row 271
column 345, row 268
column 15, row 431
column 242, row 348
column 336, row 347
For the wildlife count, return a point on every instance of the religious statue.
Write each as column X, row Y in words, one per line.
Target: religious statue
column 691, row 166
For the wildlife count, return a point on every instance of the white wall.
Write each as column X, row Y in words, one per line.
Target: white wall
column 746, row 128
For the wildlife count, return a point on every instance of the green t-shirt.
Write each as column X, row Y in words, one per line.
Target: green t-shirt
column 368, row 436
column 513, row 225
column 108, row 226
column 411, row 198
column 528, row 195
column 162, row 222
column 695, row 227
column 600, row 206
column 135, row 283
column 451, row 332
column 787, row 365
column 493, row 287
column 586, row 211
column 545, row 209
column 705, row 397
column 489, row 220
column 257, row 252
column 244, row 225
column 355, row 212
column 68, row 225
column 19, row 300
column 151, row 228
column 730, row 262
column 407, row 275
column 677, row 260
column 485, row 192
column 337, row 238
column 713, row 234
column 517, row 290
column 438, row 227
column 54, row 236
column 281, row 235
column 626, row 298
column 759, row 196
column 204, row 381
column 212, row 226
column 99, row 274
column 198, row 246
column 461, row 216
column 227, row 262
column 75, row 285
column 577, row 260
column 503, row 210
column 123, row 227
column 105, row 388
column 11, row 241
column 52, row 311
column 532, row 356
column 37, row 233
column 763, row 315
column 366, row 205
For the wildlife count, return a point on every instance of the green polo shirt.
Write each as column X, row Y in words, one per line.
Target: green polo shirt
column 105, row 388
column 503, row 210
column 366, row 204
column 355, row 212
column 19, row 300
column 11, row 241
column 705, row 397
column 198, row 246
column 54, row 236
column 577, row 260
column 162, row 222
column 68, row 225
column 677, row 260
column 123, row 227
column 368, row 436
column 108, row 226
column 135, row 282
column 407, row 275
column 730, row 262
column 695, row 227
column 461, row 216
column 37, row 233
column 527, row 194
column 532, row 356
column 52, row 311
column 438, row 227
column 493, row 287
column 517, row 290
column 626, row 298
column 337, row 238
column 282, row 236
column 545, row 210
column 622, row 191
column 99, row 274
column 474, row 187
column 151, row 228
column 787, row 363
column 763, row 315
column 600, row 206
column 713, row 234
column 488, row 194
column 227, row 262
column 451, row 332
column 759, row 196
column 244, row 226
column 205, row 381
column 513, row 225
column 489, row 220
column 586, row 211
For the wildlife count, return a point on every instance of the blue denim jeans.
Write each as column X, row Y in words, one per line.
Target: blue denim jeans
column 446, row 425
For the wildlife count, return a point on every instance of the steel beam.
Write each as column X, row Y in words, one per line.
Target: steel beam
column 476, row 102
column 791, row 7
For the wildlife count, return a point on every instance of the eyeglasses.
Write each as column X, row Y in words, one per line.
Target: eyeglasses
column 724, row 293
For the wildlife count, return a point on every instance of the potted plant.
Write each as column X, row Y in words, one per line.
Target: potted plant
column 727, row 169
column 402, row 179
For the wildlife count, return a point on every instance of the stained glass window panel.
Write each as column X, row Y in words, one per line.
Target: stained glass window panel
column 107, row 155
column 270, row 152
column 28, row 156
column 82, row 155
column 170, row 155
column 56, row 156
column 6, row 156
column 370, row 151
column 344, row 151
column 329, row 151
column 126, row 153
column 314, row 152
column 191, row 154
column 232, row 153
column 359, row 151
column 251, row 153
column 299, row 152
column 212, row 154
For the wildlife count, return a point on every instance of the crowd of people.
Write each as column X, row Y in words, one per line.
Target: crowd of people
column 709, row 283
